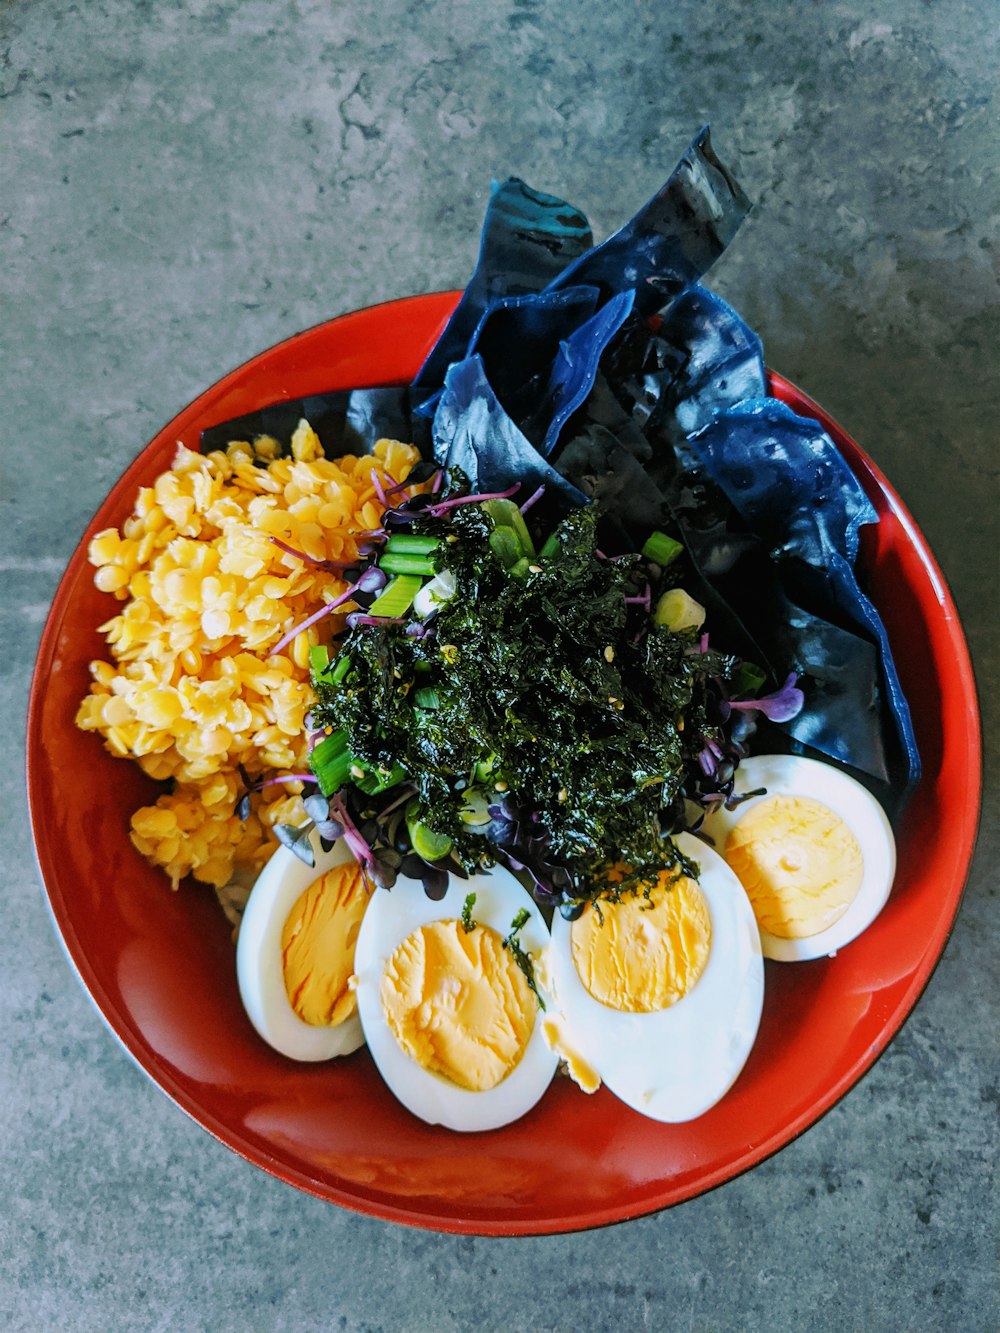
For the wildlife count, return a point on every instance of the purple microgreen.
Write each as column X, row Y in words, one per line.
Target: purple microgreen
column 330, row 831
column 781, row 706
column 435, row 882
column 334, row 566
column 379, row 490
column 362, row 852
column 311, row 620
column 396, row 485
column 243, row 805
column 419, row 630
column 372, row 580
column 317, row 807
column 412, row 865
column 405, row 793
column 385, row 868
column 356, row 618
column 297, row 842
column 642, row 600
column 737, row 798
column 533, row 498
column 438, row 510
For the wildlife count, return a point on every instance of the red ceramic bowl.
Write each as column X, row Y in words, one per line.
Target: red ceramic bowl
column 160, row 965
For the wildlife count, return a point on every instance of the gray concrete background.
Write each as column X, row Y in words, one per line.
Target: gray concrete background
column 184, row 184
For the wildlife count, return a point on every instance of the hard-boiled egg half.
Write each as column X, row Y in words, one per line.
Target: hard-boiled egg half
column 659, row 995
column 447, row 1012
column 815, row 853
column 295, row 953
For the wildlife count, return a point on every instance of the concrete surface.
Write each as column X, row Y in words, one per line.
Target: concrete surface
column 184, row 184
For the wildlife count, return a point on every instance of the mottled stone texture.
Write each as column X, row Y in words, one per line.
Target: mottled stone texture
column 185, row 182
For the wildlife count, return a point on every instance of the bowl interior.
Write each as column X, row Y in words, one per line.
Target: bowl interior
column 160, row 965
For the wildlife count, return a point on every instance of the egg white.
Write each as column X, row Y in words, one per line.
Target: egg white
column 673, row 1064
column 259, row 970
column 792, row 775
column 392, row 916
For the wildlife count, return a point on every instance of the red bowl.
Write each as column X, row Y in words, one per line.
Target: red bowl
column 160, row 965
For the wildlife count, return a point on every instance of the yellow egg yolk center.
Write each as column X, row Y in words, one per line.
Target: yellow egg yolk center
column 645, row 952
column 458, row 1004
column 317, row 946
column 799, row 863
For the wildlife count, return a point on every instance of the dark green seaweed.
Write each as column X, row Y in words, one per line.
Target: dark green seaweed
column 608, row 374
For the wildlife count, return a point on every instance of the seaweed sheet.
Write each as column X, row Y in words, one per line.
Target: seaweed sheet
column 609, row 373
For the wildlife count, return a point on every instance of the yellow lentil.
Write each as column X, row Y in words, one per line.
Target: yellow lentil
column 193, row 690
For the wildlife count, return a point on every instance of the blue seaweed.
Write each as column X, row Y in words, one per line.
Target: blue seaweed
column 789, row 483
column 674, row 239
column 528, row 237
column 556, row 369
column 519, row 336
column 473, row 433
column 347, row 422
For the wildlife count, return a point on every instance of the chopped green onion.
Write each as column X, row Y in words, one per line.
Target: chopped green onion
column 749, row 678
column 426, row 697
column 411, row 543
column 331, row 763
column 521, row 569
column 505, row 514
column 550, row 548
column 506, row 547
column 401, row 562
column 677, row 610
column 475, row 810
column 374, row 781
column 397, row 597
column 426, row 843
column 433, row 595
column 340, row 670
column 661, row 549
column 319, row 657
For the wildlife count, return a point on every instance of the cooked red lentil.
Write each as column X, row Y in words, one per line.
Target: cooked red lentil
column 193, row 689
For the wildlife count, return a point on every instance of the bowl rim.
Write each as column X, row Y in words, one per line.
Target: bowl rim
column 440, row 305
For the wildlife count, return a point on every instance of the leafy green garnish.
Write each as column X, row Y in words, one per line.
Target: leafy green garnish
column 513, row 945
column 468, row 924
column 590, row 716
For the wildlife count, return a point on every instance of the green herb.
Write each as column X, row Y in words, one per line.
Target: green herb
column 468, row 924
column 554, row 690
column 398, row 596
column 513, row 946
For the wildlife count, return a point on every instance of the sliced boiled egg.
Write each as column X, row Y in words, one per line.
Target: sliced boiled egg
column 295, row 953
column 448, row 1015
column 659, row 995
column 814, row 851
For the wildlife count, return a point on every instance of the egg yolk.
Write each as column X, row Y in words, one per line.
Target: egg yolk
column 799, row 863
column 645, row 952
column 317, row 946
column 458, row 1004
